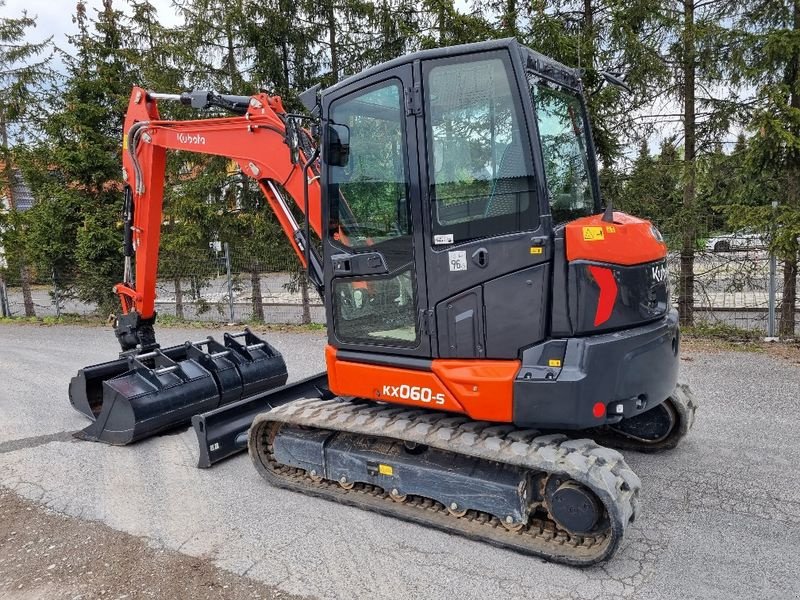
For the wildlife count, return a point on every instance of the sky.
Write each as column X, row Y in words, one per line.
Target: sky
column 54, row 17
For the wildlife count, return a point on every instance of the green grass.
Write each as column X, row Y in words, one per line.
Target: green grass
column 163, row 321
column 66, row 319
column 722, row 331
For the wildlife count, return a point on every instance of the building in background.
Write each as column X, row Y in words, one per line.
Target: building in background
column 23, row 199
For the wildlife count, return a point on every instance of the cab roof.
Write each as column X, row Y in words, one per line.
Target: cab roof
column 535, row 61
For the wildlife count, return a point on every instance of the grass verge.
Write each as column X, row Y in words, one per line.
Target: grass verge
column 164, row 321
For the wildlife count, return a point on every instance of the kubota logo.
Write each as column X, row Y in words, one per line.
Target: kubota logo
column 196, row 139
column 659, row 273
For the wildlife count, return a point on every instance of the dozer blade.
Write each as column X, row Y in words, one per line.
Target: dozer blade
column 135, row 398
column 223, row 432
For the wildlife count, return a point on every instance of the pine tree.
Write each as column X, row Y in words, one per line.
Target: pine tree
column 770, row 56
column 625, row 38
column 698, row 53
column 85, row 134
column 215, row 38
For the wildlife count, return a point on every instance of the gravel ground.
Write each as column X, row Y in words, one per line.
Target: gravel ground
column 50, row 556
column 720, row 515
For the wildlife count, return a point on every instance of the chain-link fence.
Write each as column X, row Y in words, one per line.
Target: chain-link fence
column 224, row 286
column 732, row 287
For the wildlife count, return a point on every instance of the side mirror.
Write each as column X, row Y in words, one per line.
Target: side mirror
column 337, row 146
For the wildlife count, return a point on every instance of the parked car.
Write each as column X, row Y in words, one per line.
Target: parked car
column 737, row 241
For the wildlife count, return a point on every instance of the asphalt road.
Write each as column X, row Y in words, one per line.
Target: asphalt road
column 720, row 515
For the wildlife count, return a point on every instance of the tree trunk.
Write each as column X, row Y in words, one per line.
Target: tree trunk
column 789, row 299
column 285, row 62
column 787, row 326
column 230, row 59
column 24, row 272
column 178, row 298
column 332, row 41
column 25, row 282
column 510, row 18
column 4, row 312
column 688, row 238
column 258, row 302
column 306, row 300
column 587, row 34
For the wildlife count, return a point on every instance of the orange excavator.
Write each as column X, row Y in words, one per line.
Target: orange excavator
column 489, row 322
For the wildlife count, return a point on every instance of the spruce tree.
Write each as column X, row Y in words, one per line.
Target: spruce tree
column 770, row 62
column 85, row 134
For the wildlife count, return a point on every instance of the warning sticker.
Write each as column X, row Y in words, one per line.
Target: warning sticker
column 458, row 260
column 537, row 250
column 592, row 234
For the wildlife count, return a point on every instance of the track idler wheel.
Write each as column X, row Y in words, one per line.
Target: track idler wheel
column 573, row 506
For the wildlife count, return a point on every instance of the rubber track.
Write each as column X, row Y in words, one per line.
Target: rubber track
column 685, row 404
column 603, row 470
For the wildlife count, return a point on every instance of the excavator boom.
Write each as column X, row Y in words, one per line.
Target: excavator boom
column 266, row 143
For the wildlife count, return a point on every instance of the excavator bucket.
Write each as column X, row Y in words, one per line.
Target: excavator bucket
column 86, row 388
column 133, row 398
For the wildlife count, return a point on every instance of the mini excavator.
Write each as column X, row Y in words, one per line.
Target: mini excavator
column 488, row 321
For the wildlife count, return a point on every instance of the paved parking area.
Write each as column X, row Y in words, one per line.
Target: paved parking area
column 720, row 515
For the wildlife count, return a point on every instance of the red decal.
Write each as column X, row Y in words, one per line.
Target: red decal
column 608, row 293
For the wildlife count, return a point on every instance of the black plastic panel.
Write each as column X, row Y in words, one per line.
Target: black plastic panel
column 459, row 322
column 642, row 295
column 515, row 309
column 560, row 324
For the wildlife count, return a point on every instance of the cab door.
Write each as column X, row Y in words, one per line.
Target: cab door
column 488, row 248
column 373, row 249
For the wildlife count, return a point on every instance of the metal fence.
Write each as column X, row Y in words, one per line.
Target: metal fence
column 224, row 287
column 737, row 287
column 732, row 287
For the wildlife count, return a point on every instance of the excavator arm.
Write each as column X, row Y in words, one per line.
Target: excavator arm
column 262, row 138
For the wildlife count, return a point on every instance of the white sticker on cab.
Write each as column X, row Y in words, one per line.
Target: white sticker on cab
column 458, row 260
column 442, row 238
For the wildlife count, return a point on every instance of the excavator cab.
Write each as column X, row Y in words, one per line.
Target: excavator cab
column 463, row 237
column 443, row 187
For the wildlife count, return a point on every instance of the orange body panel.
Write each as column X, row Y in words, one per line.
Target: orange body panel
column 481, row 389
column 627, row 241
